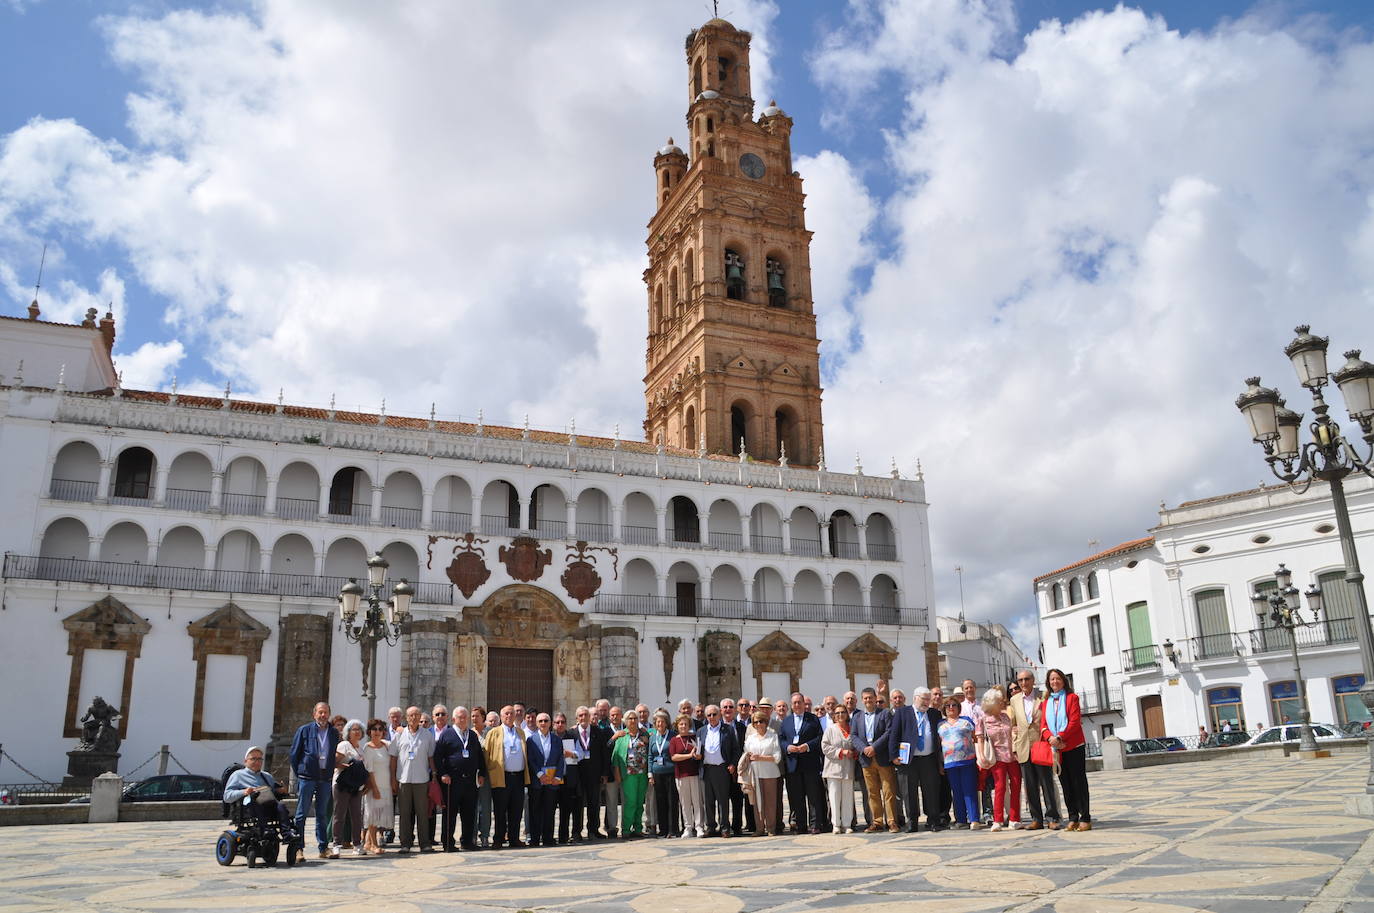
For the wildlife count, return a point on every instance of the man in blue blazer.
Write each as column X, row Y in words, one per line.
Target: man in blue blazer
column 870, row 731
column 800, row 737
column 548, row 769
column 313, row 760
column 919, row 727
column 461, row 766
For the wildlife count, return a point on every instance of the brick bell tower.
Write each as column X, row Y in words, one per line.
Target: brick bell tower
column 732, row 347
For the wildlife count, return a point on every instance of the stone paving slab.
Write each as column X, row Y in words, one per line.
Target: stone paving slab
column 1249, row 836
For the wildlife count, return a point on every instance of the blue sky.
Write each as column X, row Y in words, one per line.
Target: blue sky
column 1032, row 243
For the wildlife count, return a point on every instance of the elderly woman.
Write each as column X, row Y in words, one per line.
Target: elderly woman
column 685, row 752
column 377, row 813
column 765, row 757
column 662, row 779
column 630, row 764
column 995, row 728
column 838, row 772
column 348, row 806
column 1063, row 728
column 961, row 763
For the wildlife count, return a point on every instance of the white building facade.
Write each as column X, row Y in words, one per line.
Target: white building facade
column 1160, row 634
column 982, row 651
column 181, row 557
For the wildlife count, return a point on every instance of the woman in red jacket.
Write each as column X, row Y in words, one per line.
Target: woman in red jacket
column 1063, row 728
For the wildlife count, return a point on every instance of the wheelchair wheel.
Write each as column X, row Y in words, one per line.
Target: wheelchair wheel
column 270, row 850
column 251, row 856
column 295, row 852
column 224, row 849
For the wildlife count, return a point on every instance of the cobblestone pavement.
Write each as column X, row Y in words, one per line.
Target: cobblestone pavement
column 1246, row 835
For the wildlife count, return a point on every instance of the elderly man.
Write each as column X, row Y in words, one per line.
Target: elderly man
column 972, row 707
column 507, row 767
column 720, row 749
column 937, row 703
column 252, row 780
column 870, row 734
column 312, row 758
column 548, row 770
column 918, row 727
column 412, row 765
column 396, row 721
column 1028, row 716
column 800, row 738
column 611, row 790
column 461, row 766
column 828, row 705
column 741, row 812
column 592, row 744
column 570, row 793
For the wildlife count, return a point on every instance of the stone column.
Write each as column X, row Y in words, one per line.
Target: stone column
column 476, row 512
column 324, row 499
column 787, row 592
column 525, row 514
column 102, row 488
column 425, row 664
column 617, row 527
column 787, row 535
column 375, row 515
column 269, row 506
column 160, row 486
column 571, row 531
column 93, row 549
column 467, row 683
column 216, row 492
column 303, row 659
column 620, row 665
column 319, row 564
column 863, row 540
column 825, row 539
column 662, row 520
column 662, row 586
column 718, row 666
column 427, row 509
column 744, row 533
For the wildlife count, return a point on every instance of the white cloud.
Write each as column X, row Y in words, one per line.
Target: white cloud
column 1097, row 238
column 150, row 366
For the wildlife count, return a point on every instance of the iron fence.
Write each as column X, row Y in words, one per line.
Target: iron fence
column 71, row 490
column 751, row 610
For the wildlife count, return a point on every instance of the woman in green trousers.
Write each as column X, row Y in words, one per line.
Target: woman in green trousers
column 630, row 760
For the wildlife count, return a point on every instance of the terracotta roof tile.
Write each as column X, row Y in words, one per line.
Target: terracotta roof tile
column 1121, row 549
column 48, row 323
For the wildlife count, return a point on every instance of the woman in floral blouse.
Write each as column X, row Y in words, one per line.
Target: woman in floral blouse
column 630, row 761
column 961, row 763
column 995, row 727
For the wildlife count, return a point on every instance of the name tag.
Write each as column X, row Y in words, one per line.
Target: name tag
column 411, row 755
column 796, row 738
column 465, row 752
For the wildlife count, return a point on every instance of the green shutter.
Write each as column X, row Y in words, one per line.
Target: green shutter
column 1138, row 619
column 1211, row 612
column 1336, row 601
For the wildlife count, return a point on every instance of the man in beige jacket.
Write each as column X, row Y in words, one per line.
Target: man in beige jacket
column 1027, row 709
column 508, row 771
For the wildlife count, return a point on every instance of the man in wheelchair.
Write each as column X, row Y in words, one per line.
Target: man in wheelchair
column 261, row 821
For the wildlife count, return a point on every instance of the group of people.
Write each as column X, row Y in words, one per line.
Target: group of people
column 522, row 776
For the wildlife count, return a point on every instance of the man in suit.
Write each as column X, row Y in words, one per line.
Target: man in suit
column 741, row 812
column 1027, row 718
column 800, row 736
column 570, row 793
column 869, row 732
column 460, row 764
column 720, row 750
column 312, row 759
column 918, row 726
column 505, row 751
column 593, row 746
column 548, row 769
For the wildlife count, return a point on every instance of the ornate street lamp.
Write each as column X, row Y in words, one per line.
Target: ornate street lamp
column 380, row 622
column 1282, row 608
column 1328, row 456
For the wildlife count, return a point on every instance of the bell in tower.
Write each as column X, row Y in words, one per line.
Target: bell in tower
column 733, row 357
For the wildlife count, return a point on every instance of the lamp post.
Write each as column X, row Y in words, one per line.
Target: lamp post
column 1329, row 457
column 1283, row 609
column 382, row 621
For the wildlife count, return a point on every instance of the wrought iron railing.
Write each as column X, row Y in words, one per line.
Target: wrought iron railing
column 700, row 607
column 594, row 532
column 401, row 517
column 451, row 521
column 1097, row 702
column 71, row 490
column 1324, row 633
column 1217, row 646
column 880, row 552
column 298, row 508
column 1138, row 659
column 152, row 576
column 244, row 505
column 186, row 499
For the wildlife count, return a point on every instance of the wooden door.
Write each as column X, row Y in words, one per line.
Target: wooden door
column 686, row 599
column 1152, row 713
column 520, row 675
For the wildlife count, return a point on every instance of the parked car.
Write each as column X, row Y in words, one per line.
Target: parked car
column 1226, row 739
column 1144, row 746
column 1356, row 727
column 1291, row 732
column 1172, row 743
column 167, row 788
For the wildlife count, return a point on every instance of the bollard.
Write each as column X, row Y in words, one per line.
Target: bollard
column 1113, row 753
column 106, row 791
column 162, row 755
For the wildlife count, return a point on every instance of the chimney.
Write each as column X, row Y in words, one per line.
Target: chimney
column 107, row 329
column 33, row 309
column 89, row 322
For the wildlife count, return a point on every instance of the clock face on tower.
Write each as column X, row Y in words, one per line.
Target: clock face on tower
column 751, row 165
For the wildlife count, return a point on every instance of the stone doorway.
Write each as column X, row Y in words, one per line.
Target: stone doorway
column 520, row 675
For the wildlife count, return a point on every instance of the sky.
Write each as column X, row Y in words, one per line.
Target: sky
column 1051, row 239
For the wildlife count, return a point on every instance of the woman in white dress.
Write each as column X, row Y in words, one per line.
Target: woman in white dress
column 377, row 814
column 838, row 771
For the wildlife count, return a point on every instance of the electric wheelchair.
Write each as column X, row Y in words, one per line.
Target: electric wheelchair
column 257, row 835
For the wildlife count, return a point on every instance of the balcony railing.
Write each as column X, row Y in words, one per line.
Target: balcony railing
column 451, row 521
column 401, row 517
column 350, row 512
column 498, row 526
column 807, row 548
column 1217, row 646
column 729, row 542
column 880, row 552
column 551, row 529
column 845, row 549
column 766, row 545
column 244, row 505
column 71, row 490
column 1139, row 659
column 639, row 535
column 298, row 508
column 1097, row 702
column 670, row 606
column 152, row 576
column 186, row 499
column 594, row 532
column 1325, row 633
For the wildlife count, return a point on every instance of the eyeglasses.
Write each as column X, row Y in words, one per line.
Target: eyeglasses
column 256, row 757
column 713, row 713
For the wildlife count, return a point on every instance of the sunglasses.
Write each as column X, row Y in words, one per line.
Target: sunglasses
column 713, row 714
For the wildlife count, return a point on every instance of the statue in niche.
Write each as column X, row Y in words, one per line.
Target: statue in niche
column 98, row 730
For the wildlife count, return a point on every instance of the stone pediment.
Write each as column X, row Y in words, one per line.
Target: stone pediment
column 741, row 362
column 868, row 645
column 777, row 646
column 787, row 369
column 108, row 618
column 228, row 630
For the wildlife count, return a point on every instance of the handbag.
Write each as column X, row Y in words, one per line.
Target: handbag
column 1042, row 753
column 987, row 755
column 436, row 795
